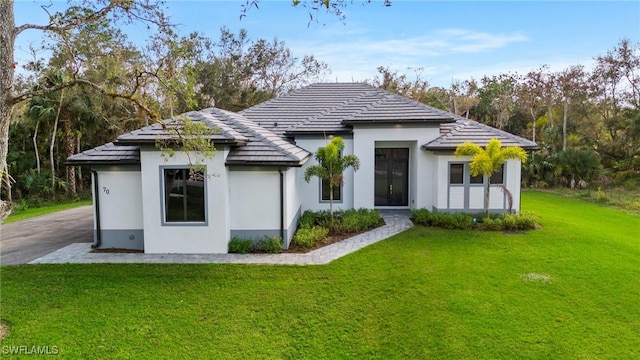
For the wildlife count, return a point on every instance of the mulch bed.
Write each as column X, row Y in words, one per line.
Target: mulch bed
column 333, row 238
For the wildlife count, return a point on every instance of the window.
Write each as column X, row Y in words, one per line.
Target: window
column 479, row 179
column 498, row 177
column 456, row 172
column 324, row 190
column 184, row 192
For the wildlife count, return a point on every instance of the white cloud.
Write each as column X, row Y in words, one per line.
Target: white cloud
column 354, row 56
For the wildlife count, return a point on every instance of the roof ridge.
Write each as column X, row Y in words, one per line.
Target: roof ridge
column 256, row 130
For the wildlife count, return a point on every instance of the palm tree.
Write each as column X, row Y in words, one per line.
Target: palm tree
column 488, row 161
column 331, row 165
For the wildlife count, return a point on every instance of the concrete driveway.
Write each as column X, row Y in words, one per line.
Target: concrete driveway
column 27, row 240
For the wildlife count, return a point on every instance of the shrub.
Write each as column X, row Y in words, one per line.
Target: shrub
column 464, row 221
column 421, row 216
column 239, row 245
column 601, row 196
column 307, row 220
column 457, row 221
column 309, row 237
column 526, row 221
column 270, row 244
column 509, row 222
column 343, row 222
column 492, row 224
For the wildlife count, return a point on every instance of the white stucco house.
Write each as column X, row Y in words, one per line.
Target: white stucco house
column 254, row 185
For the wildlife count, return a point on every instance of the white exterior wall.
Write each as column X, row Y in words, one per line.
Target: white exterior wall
column 293, row 201
column 453, row 198
column 255, row 200
column 513, row 169
column 310, row 192
column 185, row 238
column 120, row 199
column 421, row 178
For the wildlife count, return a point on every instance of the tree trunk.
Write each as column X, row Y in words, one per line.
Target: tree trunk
column 53, row 142
column 80, row 185
column 35, row 146
column 7, row 39
column 564, row 126
column 533, row 117
column 69, row 145
column 486, row 198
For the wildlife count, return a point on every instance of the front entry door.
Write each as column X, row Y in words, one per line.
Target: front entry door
column 392, row 177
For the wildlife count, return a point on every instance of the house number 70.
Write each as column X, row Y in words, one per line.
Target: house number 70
column 106, row 191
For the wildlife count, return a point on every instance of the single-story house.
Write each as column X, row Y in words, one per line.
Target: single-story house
column 255, row 186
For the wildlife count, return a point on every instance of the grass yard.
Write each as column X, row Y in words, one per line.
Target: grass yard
column 568, row 290
column 26, row 213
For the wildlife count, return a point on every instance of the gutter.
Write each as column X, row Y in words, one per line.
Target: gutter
column 96, row 204
column 281, row 205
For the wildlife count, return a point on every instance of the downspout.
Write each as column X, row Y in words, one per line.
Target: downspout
column 96, row 204
column 282, row 205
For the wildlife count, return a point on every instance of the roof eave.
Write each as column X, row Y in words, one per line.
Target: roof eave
column 145, row 142
column 397, row 121
column 429, row 147
column 101, row 162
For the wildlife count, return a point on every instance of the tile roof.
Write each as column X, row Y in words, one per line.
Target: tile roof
column 331, row 107
column 150, row 134
column 463, row 130
column 250, row 144
column 107, row 153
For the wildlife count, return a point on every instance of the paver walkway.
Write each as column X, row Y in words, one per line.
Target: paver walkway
column 396, row 222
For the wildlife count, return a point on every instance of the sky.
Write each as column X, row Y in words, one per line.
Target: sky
column 442, row 40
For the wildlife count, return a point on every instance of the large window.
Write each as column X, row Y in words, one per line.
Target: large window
column 325, row 191
column 184, row 199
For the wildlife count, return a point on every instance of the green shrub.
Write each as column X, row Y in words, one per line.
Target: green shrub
column 369, row 218
column 464, row 221
column 270, row 244
column 492, row 224
column 421, row 216
column 239, row 245
column 307, row 220
column 509, row 222
column 601, row 196
column 343, row 222
column 526, row 221
column 457, row 221
column 309, row 237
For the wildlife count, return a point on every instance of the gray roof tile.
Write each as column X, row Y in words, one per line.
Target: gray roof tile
column 250, row 144
column 463, row 130
column 107, row 153
column 332, row 107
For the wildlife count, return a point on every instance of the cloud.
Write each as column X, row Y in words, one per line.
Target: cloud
column 355, row 56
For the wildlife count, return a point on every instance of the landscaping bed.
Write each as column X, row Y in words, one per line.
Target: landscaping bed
column 315, row 230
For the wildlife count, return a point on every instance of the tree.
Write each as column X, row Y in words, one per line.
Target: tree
column 77, row 15
column 488, row 161
column 331, row 166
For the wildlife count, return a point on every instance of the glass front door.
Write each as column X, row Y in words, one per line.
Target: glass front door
column 392, row 177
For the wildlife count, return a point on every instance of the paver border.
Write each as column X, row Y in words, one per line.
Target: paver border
column 396, row 221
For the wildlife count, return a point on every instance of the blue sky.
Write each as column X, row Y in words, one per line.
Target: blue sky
column 447, row 40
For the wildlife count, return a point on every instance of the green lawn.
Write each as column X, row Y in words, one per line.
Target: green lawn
column 21, row 214
column 424, row 294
